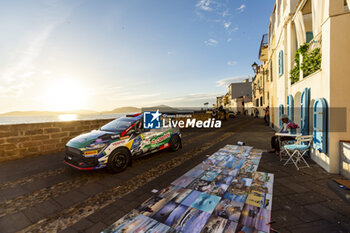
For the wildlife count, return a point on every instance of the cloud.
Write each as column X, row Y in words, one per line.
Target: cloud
column 204, row 5
column 229, row 29
column 227, row 25
column 241, row 8
column 23, row 62
column 228, row 40
column 227, row 81
column 171, row 52
column 14, row 91
column 211, row 42
column 233, row 30
column 189, row 100
column 232, row 63
column 132, row 96
column 225, row 13
column 19, row 73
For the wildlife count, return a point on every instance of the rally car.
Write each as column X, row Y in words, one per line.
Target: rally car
column 115, row 144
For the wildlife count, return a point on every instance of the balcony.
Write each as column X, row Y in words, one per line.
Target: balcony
column 263, row 51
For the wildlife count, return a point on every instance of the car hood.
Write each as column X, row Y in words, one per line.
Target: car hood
column 86, row 139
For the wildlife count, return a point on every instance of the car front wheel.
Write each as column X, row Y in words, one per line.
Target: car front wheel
column 118, row 160
column 175, row 143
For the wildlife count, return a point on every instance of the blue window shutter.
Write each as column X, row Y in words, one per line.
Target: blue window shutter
column 280, row 62
column 309, row 36
column 304, row 111
column 291, row 108
column 288, row 105
column 280, row 114
column 320, row 125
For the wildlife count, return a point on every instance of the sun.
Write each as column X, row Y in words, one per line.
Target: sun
column 65, row 95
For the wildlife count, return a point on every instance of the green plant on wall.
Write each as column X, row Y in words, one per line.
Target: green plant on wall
column 311, row 62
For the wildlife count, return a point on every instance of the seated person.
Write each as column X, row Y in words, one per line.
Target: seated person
column 275, row 140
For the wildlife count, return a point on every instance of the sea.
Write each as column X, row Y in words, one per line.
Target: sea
column 7, row 120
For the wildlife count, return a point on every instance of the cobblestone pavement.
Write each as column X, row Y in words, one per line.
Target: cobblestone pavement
column 41, row 194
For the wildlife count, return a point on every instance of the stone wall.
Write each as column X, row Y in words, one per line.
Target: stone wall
column 23, row 140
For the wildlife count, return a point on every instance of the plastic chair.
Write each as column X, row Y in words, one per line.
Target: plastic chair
column 297, row 150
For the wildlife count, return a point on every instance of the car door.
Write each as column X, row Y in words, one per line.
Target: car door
column 160, row 137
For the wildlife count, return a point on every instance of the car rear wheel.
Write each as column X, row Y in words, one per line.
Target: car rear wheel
column 118, row 160
column 175, row 143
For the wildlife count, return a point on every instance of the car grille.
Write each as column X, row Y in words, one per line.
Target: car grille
column 76, row 156
column 73, row 152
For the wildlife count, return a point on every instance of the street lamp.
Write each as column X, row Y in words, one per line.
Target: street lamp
column 255, row 67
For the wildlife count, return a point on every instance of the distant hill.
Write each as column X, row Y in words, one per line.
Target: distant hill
column 162, row 108
column 128, row 109
column 81, row 112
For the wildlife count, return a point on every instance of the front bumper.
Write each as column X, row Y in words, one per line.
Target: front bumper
column 76, row 159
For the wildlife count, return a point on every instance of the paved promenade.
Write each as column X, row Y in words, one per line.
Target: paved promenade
column 41, row 194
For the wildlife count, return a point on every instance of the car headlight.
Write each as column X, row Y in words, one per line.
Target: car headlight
column 97, row 146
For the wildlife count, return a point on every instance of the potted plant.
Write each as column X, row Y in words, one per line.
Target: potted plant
column 292, row 128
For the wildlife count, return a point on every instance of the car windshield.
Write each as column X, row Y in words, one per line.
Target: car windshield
column 118, row 125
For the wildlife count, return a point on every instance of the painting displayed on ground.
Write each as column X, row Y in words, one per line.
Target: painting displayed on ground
column 224, row 193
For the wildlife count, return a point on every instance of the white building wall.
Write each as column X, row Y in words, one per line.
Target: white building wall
column 332, row 82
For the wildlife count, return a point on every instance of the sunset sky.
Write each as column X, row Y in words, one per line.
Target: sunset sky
column 98, row 55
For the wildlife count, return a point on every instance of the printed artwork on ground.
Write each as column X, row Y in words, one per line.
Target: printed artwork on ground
column 224, row 193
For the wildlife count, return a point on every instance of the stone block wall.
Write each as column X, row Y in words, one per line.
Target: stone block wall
column 23, row 140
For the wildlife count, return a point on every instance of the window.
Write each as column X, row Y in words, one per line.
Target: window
column 309, row 36
column 280, row 63
column 261, row 101
column 290, row 107
column 281, row 112
column 118, row 125
column 304, row 111
column 320, row 125
column 271, row 72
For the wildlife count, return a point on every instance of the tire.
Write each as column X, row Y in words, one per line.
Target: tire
column 175, row 143
column 118, row 160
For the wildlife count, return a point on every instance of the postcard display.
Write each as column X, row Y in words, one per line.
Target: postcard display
column 224, row 193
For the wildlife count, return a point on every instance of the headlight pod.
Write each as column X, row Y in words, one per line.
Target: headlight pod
column 96, row 146
column 94, row 149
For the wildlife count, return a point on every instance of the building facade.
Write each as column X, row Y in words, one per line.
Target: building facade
column 308, row 61
column 261, row 81
column 240, row 96
column 243, row 88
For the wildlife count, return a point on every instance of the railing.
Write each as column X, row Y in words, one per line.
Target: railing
column 264, row 43
column 316, row 42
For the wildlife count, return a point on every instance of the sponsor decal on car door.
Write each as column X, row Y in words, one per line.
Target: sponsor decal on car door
column 160, row 139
